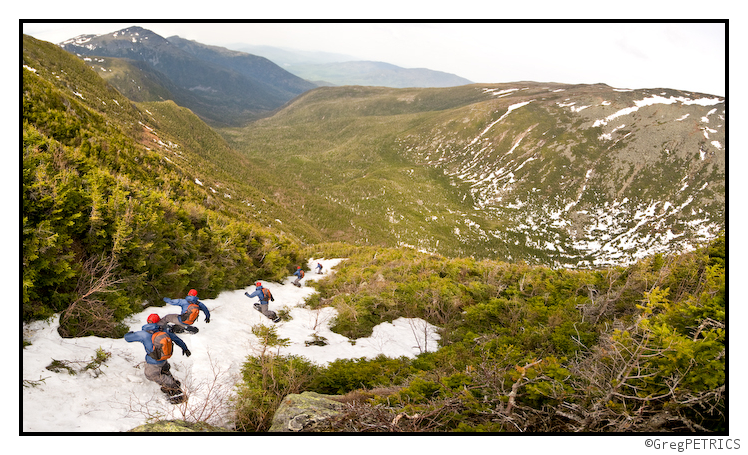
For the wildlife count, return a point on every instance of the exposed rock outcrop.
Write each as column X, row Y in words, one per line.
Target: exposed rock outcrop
column 305, row 412
column 176, row 426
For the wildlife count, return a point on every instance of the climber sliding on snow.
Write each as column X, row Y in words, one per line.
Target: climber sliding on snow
column 191, row 308
column 265, row 296
column 158, row 344
column 299, row 275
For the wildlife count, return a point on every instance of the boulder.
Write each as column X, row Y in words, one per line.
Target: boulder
column 176, row 426
column 305, row 412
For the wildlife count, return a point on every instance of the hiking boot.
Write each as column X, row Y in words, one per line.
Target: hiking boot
column 177, row 398
column 174, row 395
column 174, row 389
column 191, row 329
column 176, row 328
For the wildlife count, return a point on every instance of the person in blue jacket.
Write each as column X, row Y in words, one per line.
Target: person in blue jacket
column 191, row 308
column 158, row 370
column 319, row 269
column 264, row 295
column 299, row 273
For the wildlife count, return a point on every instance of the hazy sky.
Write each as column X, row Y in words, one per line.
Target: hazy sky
column 686, row 56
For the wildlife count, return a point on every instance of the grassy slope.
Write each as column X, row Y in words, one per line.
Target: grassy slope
column 508, row 171
column 349, row 166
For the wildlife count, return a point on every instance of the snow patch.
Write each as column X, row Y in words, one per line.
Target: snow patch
column 656, row 99
column 510, row 109
column 120, row 397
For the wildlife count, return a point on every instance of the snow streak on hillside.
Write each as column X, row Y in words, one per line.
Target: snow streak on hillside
column 117, row 397
column 580, row 197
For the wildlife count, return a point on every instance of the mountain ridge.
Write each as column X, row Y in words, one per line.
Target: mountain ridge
column 326, row 69
column 373, row 73
column 562, row 174
column 528, row 164
column 218, row 94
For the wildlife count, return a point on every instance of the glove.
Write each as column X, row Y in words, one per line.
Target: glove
column 186, row 352
column 207, row 320
column 247, row 294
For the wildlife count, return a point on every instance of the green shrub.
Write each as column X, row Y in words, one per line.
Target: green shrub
column 418, row 391
column 265, row 381
column 345, row 375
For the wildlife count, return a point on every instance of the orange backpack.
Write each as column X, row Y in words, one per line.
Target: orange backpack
column 163, row 347
column 190, row 316
column 267, row 294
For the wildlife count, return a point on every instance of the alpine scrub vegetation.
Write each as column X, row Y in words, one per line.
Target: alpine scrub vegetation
column 526, row 348
column 110, row 220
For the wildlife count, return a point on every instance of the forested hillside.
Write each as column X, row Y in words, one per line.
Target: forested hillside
column 114, row 212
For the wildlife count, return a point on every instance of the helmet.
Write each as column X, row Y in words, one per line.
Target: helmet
column 192, row 292
column 298, row 267
column 153, row 318
column 258, row 284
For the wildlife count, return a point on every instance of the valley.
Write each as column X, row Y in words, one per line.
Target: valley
column 556, row 174
column 547, row 173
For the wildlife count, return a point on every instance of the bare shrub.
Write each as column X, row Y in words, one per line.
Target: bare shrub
column 88, row 314
column 209, row 400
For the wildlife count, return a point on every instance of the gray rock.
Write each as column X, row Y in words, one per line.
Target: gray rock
column 305, row 412
column 177, row 426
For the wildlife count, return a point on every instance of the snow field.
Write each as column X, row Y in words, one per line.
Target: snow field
column 120, row 398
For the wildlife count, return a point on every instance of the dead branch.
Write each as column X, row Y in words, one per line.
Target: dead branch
column 211, row 397
column 515, row 387
column 401, row 415
column 708, row 322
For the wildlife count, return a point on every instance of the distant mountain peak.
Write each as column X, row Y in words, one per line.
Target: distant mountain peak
column 373, row 73
column 338, row 69
column 132, row 34
column 222, row 87
column 79, row 40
